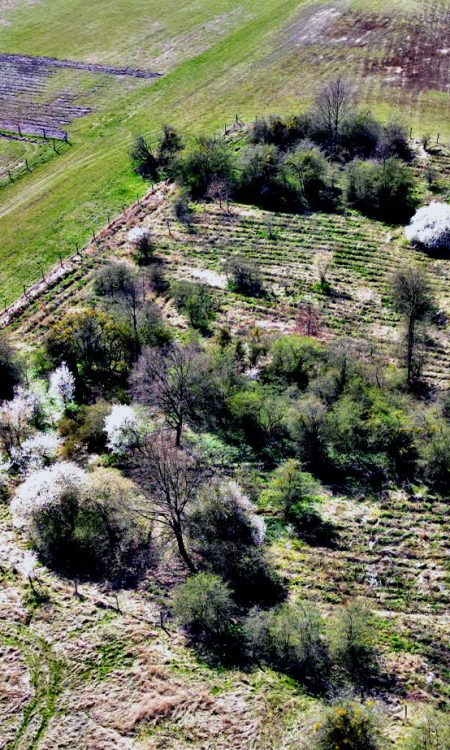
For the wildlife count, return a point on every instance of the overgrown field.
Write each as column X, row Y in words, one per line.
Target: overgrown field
column 217, row 59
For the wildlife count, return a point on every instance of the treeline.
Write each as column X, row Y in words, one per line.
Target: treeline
column 325, row 159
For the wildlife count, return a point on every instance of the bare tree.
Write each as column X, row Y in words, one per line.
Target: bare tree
column 323, row 261
column 220, row 191
column 333, row 106
column 171, row 379
column 308, row 321
column 169, row 479
column 413, row 300
column 120, row 283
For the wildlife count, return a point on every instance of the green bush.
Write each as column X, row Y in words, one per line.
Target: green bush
column 196, row 301
column 244, row 277
column 385, row 191
column 228, row 536
column 289, row 639
column 294, row 359
column 353, row 644
column 349, row 725
column 205, row 608
column 84, row 430
column 432, row 733
column 152, row 331
column 209, row 161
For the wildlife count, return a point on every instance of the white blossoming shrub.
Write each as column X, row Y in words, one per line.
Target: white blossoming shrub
column 123, row 428
column 43, row 489
column 232, row 495
column 430, row 227
column 28, row 565
column 15, row 419
column 137, row 235
column 35, row 452
column 62, row 386
column 83, row 523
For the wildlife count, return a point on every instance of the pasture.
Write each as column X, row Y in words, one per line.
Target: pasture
column 216, row 59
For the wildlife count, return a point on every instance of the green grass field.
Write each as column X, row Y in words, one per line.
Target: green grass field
column 218, row 59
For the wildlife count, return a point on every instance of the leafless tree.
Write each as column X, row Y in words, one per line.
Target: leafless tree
column 412, row 299
column 333, row 106
column 171, row 379
column 220, row 191
column 121, row 284
column 169, row 478
column 308, row 319
column 322, row 263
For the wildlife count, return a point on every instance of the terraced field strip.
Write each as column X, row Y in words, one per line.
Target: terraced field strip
column 27, row 62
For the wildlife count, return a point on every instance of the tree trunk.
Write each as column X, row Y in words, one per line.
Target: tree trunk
column 410, row 349
column 183, row 551
column 179, row 429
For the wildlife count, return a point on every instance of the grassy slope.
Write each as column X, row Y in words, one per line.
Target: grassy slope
column 249, row 68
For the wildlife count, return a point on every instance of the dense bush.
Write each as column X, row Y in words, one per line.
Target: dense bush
column 308, row 175
column 205, row 608
column 208, row 161
column 360, row 136
column 142, row 243
column 257, row 416
column 83, row 430
column 10, row 370
column 228, row 536
column 384, row 191
column 349, row 725
column 196, row 301
column 281, row 133
column 244, row 277
column 83, row 524
column 289, row 639
column 294, row 360
column 353, row 640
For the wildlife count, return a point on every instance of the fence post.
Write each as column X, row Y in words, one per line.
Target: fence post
column 437, row 139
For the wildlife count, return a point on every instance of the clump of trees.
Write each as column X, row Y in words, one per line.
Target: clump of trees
column 10, row 369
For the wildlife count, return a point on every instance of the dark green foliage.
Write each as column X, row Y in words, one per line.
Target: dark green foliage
column 152, row 331
column 354, row 649
column 257, row 415
column 294, row 360
column 205, row 608
column 210, row 160
column 281, row 133
column 157, row 279
column 227, row 536
column 435, row 454
column 144, row 161
column 196, row 301
column 183, row 210
column 384, row 191
column 360, row 136
column 394, row 142
column 244, row 277
column 169, row 146
column 260, row 181
column 349, row 725
column 93, row 534
column 289, row 639
column 10, row 370
column 307, row 173
column 97, row 348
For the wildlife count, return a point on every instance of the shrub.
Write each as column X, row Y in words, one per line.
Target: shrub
column 62, row 387
column 183, row 210
column 281, row 133
column 353, row 644
column 204, row 606
column 435, row 454
column 210, row 160
column 307, row 172
column 349, row 725
column 83, row 524
column 294, row 493
column 385, row 191
column 307, row 428
column 360, row 136
column 289, row 639
column 145, row 163
column 394, row 142
column 141, row 240
column 152, row 331
column 260, row 180
column 10, row 370
column 430, row 227
column 228, row 536
column 16, row 416
column 170, row 144
column 244, row 277
column 84, row 430
column 35, row 452
column 258, row 417
column 196, row 301
column 294, row 359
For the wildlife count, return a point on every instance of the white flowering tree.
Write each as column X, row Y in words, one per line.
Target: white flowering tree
column 141, row 240
column 28, row 567
column 123, row 429
column 43, row 489
column 35, row 452
column 15, row 418
column 62, row 387
column 232, row 495
column 430, row 227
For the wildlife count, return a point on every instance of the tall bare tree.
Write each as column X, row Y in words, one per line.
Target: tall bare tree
column 172, row 379
column 333, row 106
column 412, row 299
column 169, row 478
